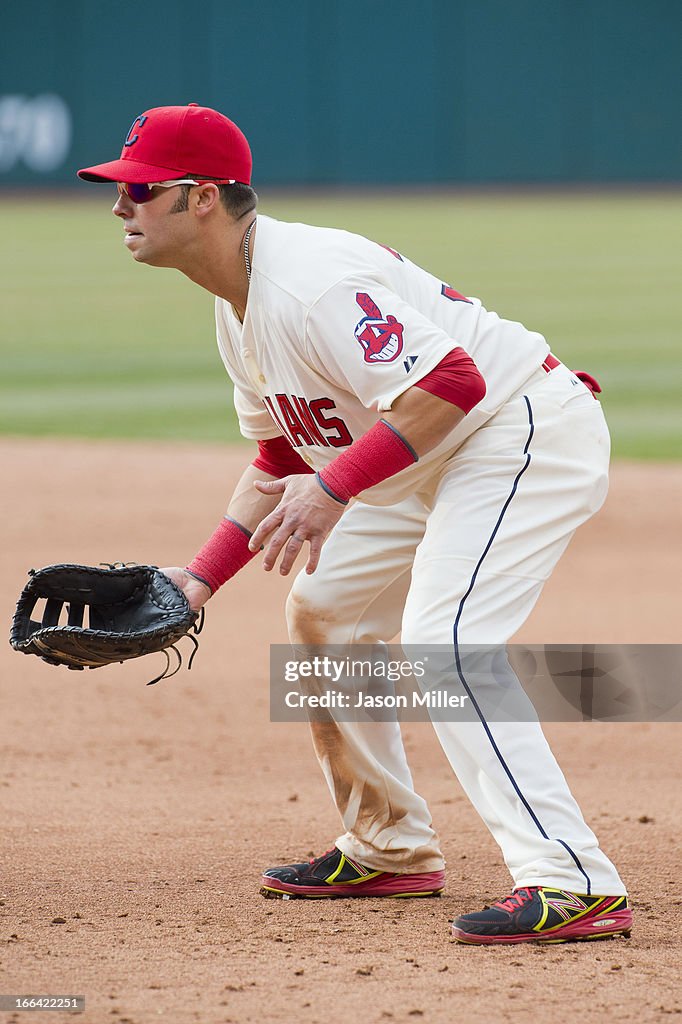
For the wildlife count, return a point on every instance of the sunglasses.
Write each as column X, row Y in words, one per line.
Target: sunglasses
column 143, row 193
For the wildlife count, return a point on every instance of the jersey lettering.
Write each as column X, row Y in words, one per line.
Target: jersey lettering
column 453, row 295
column 295, row 428
column 381, row 339
column 306, row 417
column 343, row 435
column 271, row 409
column 304, row 423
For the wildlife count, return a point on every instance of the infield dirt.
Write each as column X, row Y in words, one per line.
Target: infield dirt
column 136, row 820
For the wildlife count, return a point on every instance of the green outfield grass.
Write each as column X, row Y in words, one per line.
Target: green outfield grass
column 94, row 345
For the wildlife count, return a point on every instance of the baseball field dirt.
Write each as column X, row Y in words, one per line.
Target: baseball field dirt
column 136, row 820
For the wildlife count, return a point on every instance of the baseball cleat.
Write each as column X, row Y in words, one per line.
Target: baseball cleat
column 335, row 875
column 543, row 914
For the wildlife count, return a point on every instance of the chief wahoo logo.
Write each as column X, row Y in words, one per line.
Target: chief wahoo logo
column 381, row 339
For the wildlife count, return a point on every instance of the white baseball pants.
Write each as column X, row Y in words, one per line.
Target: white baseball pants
column 464, row 564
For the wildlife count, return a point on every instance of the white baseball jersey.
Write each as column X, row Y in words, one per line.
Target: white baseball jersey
column 337, row 327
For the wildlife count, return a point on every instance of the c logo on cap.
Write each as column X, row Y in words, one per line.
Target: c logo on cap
column 140, row 119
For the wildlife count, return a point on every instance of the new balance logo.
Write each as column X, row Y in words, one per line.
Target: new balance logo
column 566, row 905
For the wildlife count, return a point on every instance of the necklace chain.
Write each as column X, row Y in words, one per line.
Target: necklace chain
column 247, row 258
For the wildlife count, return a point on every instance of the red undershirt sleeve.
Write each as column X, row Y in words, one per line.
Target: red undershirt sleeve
column 456, row 379
column 278, row 458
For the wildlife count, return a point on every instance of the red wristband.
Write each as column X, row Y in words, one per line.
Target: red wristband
column 378, row 454
column 223, row 555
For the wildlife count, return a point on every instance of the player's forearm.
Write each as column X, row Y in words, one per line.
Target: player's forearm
column 423, row 419
column 427, row 412
column 247, row 505
column 228, row 549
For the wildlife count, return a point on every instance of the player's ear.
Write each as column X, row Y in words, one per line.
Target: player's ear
column 206, row 198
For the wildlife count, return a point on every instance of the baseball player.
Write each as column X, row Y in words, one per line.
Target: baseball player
column 472, row 455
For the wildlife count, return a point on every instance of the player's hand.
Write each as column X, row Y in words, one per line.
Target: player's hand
column 196, row 592
column 305, row 513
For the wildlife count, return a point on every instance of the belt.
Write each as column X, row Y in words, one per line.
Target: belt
column 551, row 363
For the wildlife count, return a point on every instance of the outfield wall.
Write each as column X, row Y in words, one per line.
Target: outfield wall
column 364, row 91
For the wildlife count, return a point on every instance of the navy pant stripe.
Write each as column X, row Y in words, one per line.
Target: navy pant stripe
column 458, row 663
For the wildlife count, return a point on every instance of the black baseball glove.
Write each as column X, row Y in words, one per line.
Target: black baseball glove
column 132, row 610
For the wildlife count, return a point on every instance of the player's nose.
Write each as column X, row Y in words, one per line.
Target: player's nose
column 122, row 207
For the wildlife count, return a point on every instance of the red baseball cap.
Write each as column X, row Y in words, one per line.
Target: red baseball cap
column 178, row 142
